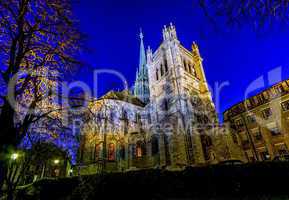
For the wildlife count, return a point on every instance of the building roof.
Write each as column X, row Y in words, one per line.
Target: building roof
column 265, row 96
column 123, row 96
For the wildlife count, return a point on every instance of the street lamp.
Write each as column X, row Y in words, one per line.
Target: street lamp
column 56, row 162
column 14, row 156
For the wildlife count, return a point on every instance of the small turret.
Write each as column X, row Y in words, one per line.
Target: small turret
column 169, row 33
column 149, row 55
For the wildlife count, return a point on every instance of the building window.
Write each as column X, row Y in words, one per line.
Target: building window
column 279, row 89
column 264, row 155
column 190, row 68
column 137, row 118
column 239, row 123
column 282, row 150
column 235, row 138
column 185, row 65
column 111, row 152
column 155, row 145
column 149, row 118
column 122, row 152
column 165, row 105
column 157, row 74
column 132, row 150
column 112, row 116
column 97, row 153
column 140, row 149
column 167, row 150
column 246, row 144
column 251, row 118
column 260, row 99
column 285, row 105
column 267, row 113
column 258, row 136
column 275, row 131
column 166, row 65
column 162, row 70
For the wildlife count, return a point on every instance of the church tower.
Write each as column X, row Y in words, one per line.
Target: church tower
column 141, row 87
column 179, row 91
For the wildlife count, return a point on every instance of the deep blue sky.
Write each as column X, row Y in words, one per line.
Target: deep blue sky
column 237, row 55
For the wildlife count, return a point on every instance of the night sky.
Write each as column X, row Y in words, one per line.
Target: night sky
column 237, row 55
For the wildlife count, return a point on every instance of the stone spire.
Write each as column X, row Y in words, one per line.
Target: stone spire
column 141, row 87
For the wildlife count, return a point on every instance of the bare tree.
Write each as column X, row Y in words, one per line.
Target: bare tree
column 38, row 43
column 258, row 13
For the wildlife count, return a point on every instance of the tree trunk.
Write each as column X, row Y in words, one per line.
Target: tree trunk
column 3, row 173
column 8, row 139
column 8, row 134
column 10, row 192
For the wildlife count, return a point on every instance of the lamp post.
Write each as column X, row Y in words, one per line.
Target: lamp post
column 56, row 162
column 14, row 156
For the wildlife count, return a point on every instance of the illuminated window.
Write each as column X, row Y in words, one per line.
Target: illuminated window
column 111, row 152
column 279, row 89
column 275, row 131
column 285, row 105
column 267, row 113
column 140, row 149
column 251, row 119
column 239, row 123
column 138, row 152
column 258, row 136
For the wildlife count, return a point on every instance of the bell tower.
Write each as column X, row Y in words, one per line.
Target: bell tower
column 177, row 79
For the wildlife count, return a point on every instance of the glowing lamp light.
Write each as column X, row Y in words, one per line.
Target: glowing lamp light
column 56, row 162
column 14, row 156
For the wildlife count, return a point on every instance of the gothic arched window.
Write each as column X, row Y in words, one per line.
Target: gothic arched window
column 97, row 152
column 167, row 151
column 162, row 70
column 140, row 149
column 112, row 116
column 157, row 74
column 111, row 152
column 122, row 152
column 190, row 69
column 165, row 105
column 185, row 65
column 149, row 118
column 155, row 145
column 166, row 65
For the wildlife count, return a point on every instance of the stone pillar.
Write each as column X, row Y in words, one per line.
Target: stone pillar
column 162, row 151
column 198, row 149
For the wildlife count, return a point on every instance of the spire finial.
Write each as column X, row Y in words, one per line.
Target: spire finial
column 141, row 34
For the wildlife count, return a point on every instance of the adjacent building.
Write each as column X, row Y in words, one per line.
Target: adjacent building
column 260, row 124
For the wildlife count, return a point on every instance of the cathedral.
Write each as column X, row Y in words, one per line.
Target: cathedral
column 168, row 121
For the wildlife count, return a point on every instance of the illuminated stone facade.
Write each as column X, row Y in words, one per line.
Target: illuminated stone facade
column 260, row 124
column 176, row 127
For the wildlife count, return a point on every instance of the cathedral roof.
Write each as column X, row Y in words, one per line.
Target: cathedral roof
column 123, row 96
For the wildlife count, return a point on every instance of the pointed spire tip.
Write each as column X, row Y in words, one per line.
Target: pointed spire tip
column 141, row 34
